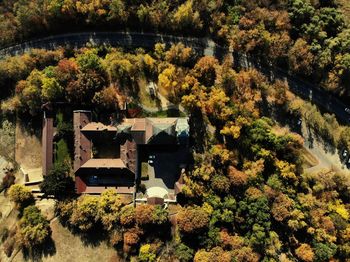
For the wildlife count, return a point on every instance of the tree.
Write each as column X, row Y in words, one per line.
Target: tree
column 149, row 214
column 51, row 89
column 324, row 252
column 300, row 58
column 184, row 253
column 58, row 182
column 236, row 177
column 127, row 216
column 108, row 98
column 178, row 54
column 117, row 11
column 89, row 60
column 83, row 89
column 221, row 184
column 185, row 18
column 85, row 214
column 146, row 254
column 305, row 253
column 34, row 229
column 109, row 206
column 21, row 195
column 281, row 207
column 216, row 254
column 192, row 220
column 205, row 70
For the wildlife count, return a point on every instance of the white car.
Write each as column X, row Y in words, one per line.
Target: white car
column 347, row 110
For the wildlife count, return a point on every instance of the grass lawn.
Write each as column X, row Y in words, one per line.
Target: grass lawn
column 144, row 171
column 62, row 152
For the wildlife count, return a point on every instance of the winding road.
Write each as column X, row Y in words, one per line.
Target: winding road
column 202, row 46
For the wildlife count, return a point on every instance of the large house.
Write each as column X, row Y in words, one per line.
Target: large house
column 109, row 156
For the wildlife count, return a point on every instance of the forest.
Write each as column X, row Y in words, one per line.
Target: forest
column 308, row 38
column 246, row 197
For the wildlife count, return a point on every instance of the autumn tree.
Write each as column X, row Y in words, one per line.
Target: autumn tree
column 305, row 253
column 179, row 54
column 205, row 70
column 185, row 18
column 192, row 220
column 109, row 207
column 300, row 58
column 21, row 196
column 127, row 216
column 84, row 215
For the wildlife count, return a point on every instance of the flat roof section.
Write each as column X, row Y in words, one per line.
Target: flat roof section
column 93, row 126
column 104, row 163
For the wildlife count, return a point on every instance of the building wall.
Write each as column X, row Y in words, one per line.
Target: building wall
column 47, row 145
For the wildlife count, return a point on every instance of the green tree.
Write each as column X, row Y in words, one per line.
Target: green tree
column 184, row 253
column 58, row 182
column 146, row 254
column 51, row 89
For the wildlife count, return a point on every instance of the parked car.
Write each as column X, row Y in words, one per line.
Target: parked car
column 151, row 159
column 347, row 110
column 345, row 153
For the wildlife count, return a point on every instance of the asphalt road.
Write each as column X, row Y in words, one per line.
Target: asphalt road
column 202, row 46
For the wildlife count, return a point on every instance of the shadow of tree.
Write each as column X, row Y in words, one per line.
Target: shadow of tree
column 38, row 252
column 92, row 238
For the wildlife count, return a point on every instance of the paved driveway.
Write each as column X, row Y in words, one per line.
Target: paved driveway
column 165, row 170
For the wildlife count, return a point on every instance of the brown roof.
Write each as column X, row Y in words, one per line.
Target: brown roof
column 155, row 201
column 104, row 163
column 93, row 126
column 100, row 189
